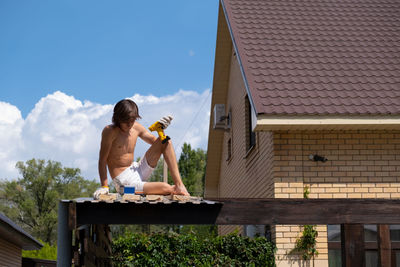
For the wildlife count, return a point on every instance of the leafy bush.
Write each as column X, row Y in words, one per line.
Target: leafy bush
column 169, row 249
column 306, row 245
column 47, row 252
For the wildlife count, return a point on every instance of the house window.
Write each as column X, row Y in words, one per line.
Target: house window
column 229, row 149
column 395, row 232
column 258, row 230
column 370, row 241
column 250, row 134
column 334, row 253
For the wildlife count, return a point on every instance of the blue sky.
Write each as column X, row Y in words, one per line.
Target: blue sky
column 65, row 63
column 104, row 50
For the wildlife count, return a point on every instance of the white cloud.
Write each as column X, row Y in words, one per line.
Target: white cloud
column 191, row 112
column 11, row 124
column 191, row 53
column 67, row 130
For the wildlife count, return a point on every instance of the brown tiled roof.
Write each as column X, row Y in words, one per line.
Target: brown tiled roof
column 322, row 57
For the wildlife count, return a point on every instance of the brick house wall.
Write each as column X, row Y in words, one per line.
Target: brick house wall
column 361, row 164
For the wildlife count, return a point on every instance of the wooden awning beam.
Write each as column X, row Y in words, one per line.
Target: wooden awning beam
column 350, row 213
column 309, row 211
column 240, row 212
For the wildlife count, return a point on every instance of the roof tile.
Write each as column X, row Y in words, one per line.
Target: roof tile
column 319, row 56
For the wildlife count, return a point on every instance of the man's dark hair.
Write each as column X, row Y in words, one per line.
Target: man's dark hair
column 124, row 111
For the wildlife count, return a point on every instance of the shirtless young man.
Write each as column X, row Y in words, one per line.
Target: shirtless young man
column 117, row 153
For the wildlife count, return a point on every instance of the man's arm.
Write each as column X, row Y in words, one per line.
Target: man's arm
column 145, row 135
column 107, row 138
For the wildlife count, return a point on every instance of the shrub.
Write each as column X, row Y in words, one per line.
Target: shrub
column 47, row 252
column 169, row 249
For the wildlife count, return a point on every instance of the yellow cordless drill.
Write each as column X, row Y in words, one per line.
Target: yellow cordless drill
column 157, row 126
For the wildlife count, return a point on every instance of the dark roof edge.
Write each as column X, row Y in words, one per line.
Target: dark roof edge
column 29, row 241
column 238, row 57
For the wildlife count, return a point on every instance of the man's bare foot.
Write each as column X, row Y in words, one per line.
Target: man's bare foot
column 180, row 190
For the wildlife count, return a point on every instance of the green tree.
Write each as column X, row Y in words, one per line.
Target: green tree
column 32, row 200
column 192, row 164
column 158, row 173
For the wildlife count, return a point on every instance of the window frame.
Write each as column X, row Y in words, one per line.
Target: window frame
column 369, row 246
column 251, row 138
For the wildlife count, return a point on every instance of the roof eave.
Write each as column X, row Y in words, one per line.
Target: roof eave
column 219, row 96
column 238, row 56
column 318, row 122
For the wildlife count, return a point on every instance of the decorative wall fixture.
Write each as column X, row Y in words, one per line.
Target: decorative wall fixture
column 317, row 158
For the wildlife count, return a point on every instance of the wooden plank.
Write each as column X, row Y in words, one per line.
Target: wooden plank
column 244, row 211
column 308, row 211
column 76, row 258
column 95, row 249
column 89, row 261
column 104, row 236
column 352, row 239
column 131, row 197
column 154, row 197
column 147, row 213
column 79, row 247
column 384, row 245
column 186, row 198
column 96, row 253
column 108, row 197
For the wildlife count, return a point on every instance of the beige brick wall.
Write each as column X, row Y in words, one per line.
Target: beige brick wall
column 354, row 190
column 361, row 164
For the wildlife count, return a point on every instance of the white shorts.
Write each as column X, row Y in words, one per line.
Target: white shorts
column 135, row 175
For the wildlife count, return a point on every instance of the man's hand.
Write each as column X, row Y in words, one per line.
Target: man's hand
column 180, row 190
column 100, row 191
column 165, row 121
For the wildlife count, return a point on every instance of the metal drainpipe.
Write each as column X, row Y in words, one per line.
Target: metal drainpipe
column 64, row 236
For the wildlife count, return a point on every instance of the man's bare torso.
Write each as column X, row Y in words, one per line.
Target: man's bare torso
column 121, row 154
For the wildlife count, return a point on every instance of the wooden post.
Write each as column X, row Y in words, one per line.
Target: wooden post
column 384, row 246
column 352, row 241
column 64, row 235
column 165, row 172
